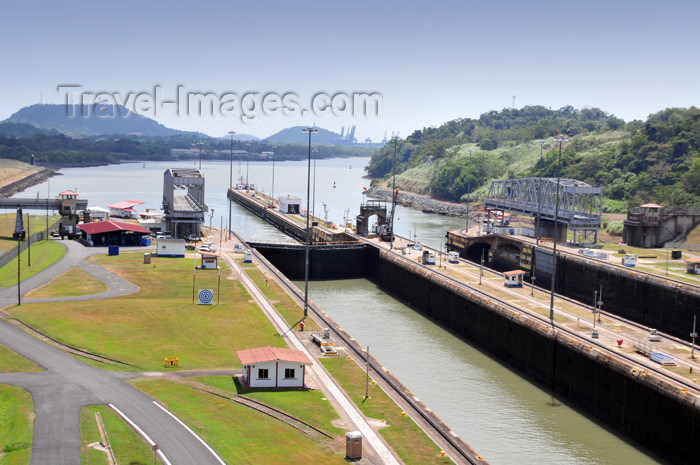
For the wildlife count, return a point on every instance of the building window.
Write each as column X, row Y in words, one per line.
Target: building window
column 263, row 373
column 289, row 373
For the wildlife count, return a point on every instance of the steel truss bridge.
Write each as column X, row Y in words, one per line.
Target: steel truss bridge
column 580, row 204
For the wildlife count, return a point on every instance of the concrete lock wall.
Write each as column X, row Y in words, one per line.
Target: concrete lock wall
column 642, row 407
column 649, row 300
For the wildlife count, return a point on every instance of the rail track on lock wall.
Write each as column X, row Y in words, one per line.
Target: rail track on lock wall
column 562, row 298
column 560, row 330
column 446, row 439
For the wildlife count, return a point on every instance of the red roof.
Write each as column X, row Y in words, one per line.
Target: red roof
column 109, row 226
column 272, row 354
column 126, row 204
column 692, row 260
column 514, row 273
column 68, row 193
column 651, row 205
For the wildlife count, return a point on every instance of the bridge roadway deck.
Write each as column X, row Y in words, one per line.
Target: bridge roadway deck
column 38, row 204
column 570, row 316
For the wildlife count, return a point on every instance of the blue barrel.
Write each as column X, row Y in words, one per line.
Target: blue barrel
column 146, row 241
column 113, row 250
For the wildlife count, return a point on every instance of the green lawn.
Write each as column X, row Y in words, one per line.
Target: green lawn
column 241, row 435
column 409, row 441
column 73, row 282
column 7, row 227
column 16, row 425
column 128, row 447
column 293, row 402
column 10, row 362
column 44, row 254
column 160, row 320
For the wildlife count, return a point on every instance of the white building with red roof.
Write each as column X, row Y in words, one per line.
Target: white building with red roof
column 105, row 233
column 273, row 367
column 123, row 209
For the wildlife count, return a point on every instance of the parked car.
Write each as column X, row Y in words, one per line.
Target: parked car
column 55, row 234
column 205, row 248
column 194, row 238
column 238, row 248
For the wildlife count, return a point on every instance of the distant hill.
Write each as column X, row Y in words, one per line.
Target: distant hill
column 60, row 118
column 22, row 130
column 296, row 135
column 245, row 137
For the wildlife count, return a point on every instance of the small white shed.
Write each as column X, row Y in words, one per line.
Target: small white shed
column 170, row 248
column 273, row 367
column 289, row 204
column 514, row 278
column 210, row 260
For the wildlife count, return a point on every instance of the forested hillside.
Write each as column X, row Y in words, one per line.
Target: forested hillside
column 657, row 160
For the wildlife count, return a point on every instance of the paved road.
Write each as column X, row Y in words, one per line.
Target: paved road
column 68, row 384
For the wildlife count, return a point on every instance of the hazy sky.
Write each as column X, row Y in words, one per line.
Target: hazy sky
column 431, row 61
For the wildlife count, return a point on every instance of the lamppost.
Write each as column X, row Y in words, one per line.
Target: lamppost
column 200, row 144
column 539, row 194
column 230, row 182
column 313, row 205
column 274, row 147
column 310, row 130
column 247, row 168
column 556, row 222
column 393, row 196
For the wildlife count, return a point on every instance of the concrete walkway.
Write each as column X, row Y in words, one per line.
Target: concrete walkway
column 328, row 384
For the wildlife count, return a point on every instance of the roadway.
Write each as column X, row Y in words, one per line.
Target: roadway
column 68, row 384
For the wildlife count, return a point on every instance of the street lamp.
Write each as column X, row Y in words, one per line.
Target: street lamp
column 274, row 147
column 200, row 144
column 230, row 182
column 247, row 168
column 393, row 196
column 313, row 205
column 539, row 195
column 556, row 222
column 310, row 130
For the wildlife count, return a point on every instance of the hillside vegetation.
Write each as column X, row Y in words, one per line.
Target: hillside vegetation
column 656, row 160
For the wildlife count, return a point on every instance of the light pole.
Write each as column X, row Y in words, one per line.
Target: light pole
column 556, row 222
column 274, row 147
column 393, row 196
column 247, row 168
column 313, row 205
column 539, row 194
column 230, row 182
column 200, row 144
column 310, row 130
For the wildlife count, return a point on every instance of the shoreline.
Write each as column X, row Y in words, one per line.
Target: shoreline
column 27, row 182
column 419, row 202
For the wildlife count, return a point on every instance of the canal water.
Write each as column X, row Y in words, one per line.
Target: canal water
column 504, row 417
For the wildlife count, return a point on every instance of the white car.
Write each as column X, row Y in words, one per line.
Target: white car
column 205, row 248
column 238, row 248
column 654, row 336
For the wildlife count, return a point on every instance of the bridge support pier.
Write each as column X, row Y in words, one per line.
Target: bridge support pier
column 546, row 229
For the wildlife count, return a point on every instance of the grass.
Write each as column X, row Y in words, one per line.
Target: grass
column 294, row 402
column 16, row 425
column 7, row 228
column 73, row 282
column 284, row 304
column 44, row 254
column 159, row 320
column 409, row 441
column 239, row 434
column 10, row 362
column 128, row 447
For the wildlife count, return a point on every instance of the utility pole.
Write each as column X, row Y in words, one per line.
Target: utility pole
column 367, row 375
column 230, row 183
column 29, row 243
column 393, row 197
column 693, row 335
column 310, row 130
column 481, row 268
column 556, row 223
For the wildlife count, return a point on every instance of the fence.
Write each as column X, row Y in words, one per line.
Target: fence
column 10, row 255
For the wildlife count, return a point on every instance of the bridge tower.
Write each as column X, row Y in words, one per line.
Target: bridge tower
column 183, row 201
